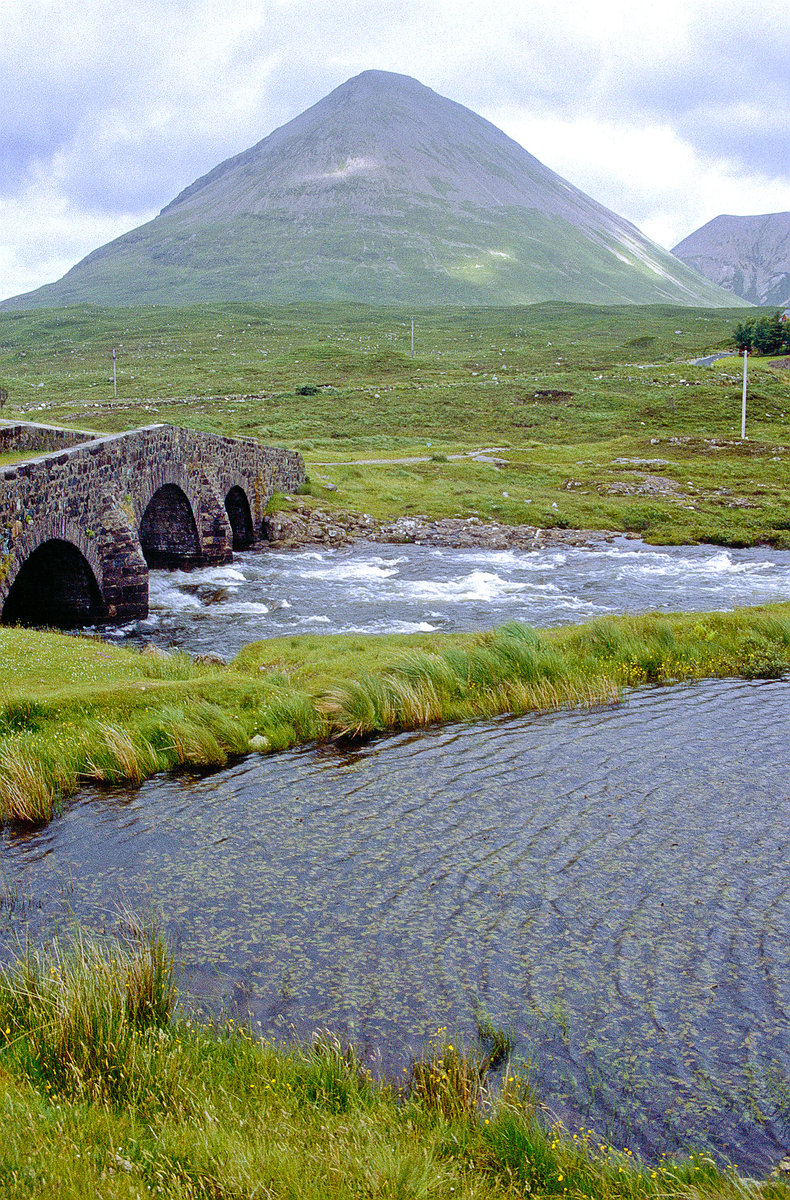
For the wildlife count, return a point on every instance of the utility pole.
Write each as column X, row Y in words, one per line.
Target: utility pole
column 743, row 402
column 412, row 337
column 114, row 377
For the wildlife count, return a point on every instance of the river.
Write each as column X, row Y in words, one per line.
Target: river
column 611, row 886
column 412, row 589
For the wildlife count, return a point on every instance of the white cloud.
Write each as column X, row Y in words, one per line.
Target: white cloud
column 646, row 173
column 42, row 236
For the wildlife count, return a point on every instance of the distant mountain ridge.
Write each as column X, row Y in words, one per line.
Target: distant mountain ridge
column 387, row 193
column 749, row 256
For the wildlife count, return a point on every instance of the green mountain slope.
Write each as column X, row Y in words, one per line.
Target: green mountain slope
column 383, row 192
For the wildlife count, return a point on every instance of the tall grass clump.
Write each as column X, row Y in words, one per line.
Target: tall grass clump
column 120, row 756
column 511, row 669
column 194, row 733
column 79, row 1018
column 287, row 718
column 453, row 1081
column 359, row 707
column 448, row 1080
column 26, row 792
column 331, row 1075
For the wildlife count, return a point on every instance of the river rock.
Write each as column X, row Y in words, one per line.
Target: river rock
column 782, row 1168
column 305, row 526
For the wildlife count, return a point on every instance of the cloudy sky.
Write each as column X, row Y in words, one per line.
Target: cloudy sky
column 668, row 112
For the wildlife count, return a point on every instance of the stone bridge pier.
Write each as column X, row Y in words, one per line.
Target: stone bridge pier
column 81, row 524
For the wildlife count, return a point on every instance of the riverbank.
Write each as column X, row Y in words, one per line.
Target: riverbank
column 76, row 710
column 295, row 525
column 110, row 1090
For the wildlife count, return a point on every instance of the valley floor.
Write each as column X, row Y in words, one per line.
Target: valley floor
column 557, row 416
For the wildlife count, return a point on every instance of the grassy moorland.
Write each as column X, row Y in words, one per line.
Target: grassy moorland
column 107, row 1089
column 75, row 710
column 598, row 416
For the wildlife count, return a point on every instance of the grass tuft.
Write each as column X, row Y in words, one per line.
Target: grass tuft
column 78, row 1018
column 121, row 757
column 448, row 1080
column 25, row 792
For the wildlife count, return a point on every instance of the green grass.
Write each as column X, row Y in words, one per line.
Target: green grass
column 337, row 382
column 75, row 710
column 13, row 456
column 109, row 1089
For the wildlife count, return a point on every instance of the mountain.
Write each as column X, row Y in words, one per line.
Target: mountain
column 749, row 256
column 383, row 192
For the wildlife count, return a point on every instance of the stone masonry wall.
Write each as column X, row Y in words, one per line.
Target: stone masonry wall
column 94, row 494
column 29, row 438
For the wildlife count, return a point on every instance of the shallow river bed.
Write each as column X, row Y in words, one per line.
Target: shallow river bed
column 611, row 886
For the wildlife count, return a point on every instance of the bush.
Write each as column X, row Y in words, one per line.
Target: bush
column 763, row 335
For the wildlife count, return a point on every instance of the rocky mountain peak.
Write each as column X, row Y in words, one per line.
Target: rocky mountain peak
column 749, row 256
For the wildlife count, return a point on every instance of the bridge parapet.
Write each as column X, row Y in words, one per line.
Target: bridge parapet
column 80, row 526
column 30, row 437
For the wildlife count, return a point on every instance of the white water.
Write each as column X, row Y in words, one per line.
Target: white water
column 418, row 589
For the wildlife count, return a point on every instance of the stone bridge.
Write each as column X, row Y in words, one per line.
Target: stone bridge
column 81, row 523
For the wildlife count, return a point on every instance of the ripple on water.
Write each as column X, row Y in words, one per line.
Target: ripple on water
column 611, row 886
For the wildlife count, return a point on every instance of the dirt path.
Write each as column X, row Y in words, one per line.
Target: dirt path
column 492, row 455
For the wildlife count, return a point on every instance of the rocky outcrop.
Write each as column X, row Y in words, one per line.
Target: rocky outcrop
column 749, row 256
column 305, row 526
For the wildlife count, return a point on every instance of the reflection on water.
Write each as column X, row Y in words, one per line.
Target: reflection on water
column 411, row 589
column 610, row 886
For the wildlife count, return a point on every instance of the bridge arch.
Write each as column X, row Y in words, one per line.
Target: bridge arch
column 237, row 506
column 168, row 530
column 52, row 527
column 54, row 585
column 174, row 488
column 87, row 495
